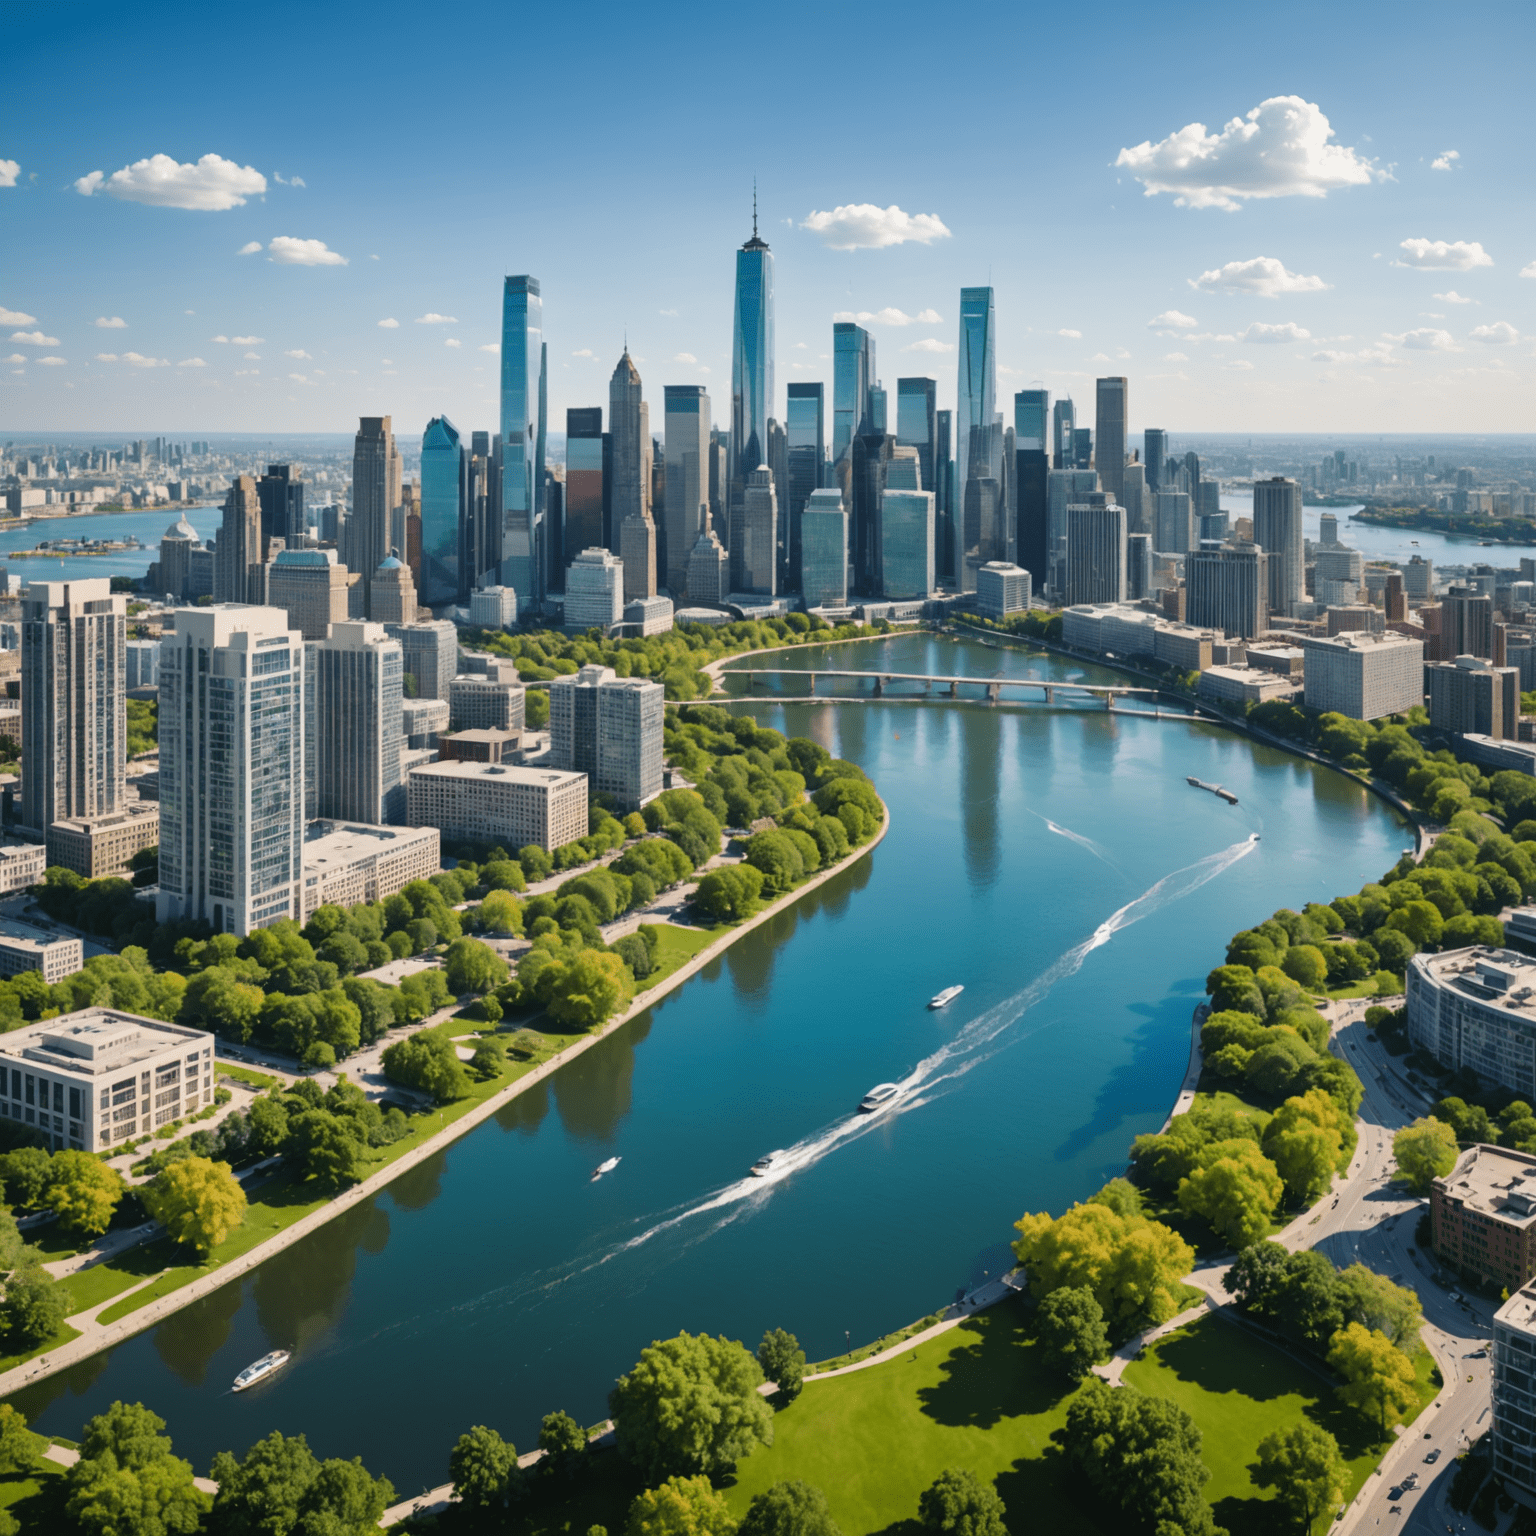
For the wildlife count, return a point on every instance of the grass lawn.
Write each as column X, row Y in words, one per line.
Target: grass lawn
column 36, row 1498
column 261, row 1081
column 676, row 947
column 63, row 1336
column 1239, row 1389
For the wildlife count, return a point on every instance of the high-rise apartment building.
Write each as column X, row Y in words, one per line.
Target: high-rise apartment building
column 752, row 345
column 1228, row 589
column 805, row 442
column 1363, row 675
column 521, row 438
column 376, row 497
column 974, row 417
column 446, row 573
column 1096, row 553
column 429, row 656
column 1154, row 453
column 1277, row 530
column 1470, row 696
column 594, row 590
column 824, row 550
column 587, row 450
column 281, row 494
column 917, row 423
column 354, row 685
column 853, row 376
column 1113, row 402
column 231, row 769
column 906, row 544
column 609, row 728
column 1466, row 625
column 1063, row 423
column 491, row 701
column 754, row 550
column 311, row 588
column 687, row 446
column 240, row 552
column 1173, row 528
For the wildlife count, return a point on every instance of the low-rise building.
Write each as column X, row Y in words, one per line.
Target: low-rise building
column 1283, row 660
column 648, row 615
column 493, row 607
column 1002, row 589
column 1493, row 755
column 1483, row 1216
column 489, row 746
column 497, row 803
column 421, row 721
column 492, row 700
column 346, row 862
column 594, row 590
column 21, row 865
column 99, row 1076
column 25, row 948
column 1476, row 1008
column 1363, row 675
column 1244, row 685
column 94, row 846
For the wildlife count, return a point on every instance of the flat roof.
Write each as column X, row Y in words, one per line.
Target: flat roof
column 329, row 843
column 1494, row 1181
column 519, row 774
column 1503, row 978
column 96, row 1042
column 14, row 935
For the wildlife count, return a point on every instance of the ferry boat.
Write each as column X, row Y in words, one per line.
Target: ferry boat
column 766, row 1165
column 607, row 1167
column 261, row 1369
column 946, row 997
column 1215, row 789
column 878, row 1097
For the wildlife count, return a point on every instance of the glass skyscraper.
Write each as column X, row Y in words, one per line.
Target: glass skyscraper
column 853, row 374
column 522, row 451
column 825, row 545
column 443, row 520
column 1031, row 419
column 1063, row 420
column 917, row 423
column 978, row 379
column 751, row 360
column 687, row 477
column 585, row 481
column 805, row 428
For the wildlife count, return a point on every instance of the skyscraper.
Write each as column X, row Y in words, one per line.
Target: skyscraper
column 805, row 433
column 687, row 462
column 175, row 569
column 824, row 550
column 281, row 494
column 944, row 494
column 480, row 553
column 1173, row 524
column 444, row 492
column 754, row 566
column 354, row 681
column 637, row 550
column 916, row 422
column 1032, row 420
column 376, row 489
column 906, row 544
column 1063, row 488
column 522, row 446
column 1109, row 430
column 630, row 440
column 1032, row 531
column 1277, row 531
column 866, row 484
column 231, row 769
column 240, row 551
column 751, row 359
column 1063, row 422
column 1096, row 551
column 585, row 460
column 853, row 376
column 1154, row 452
column 1228, row 589
column 978, row 382
column 777, row 459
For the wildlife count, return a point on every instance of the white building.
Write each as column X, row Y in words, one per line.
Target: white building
column 594, row 590
column 609, row 728
column 231, row 768
column 1477, row 1008
column 25, row 948
column 1363, row 675
column 96, row 1077
column 348, row 862
column 649, row 615
column 498, row 803
column 1002, row 588
column 493, row 607
column 143, row 670
column 353, row 708
column 1243, row 685
column 493, row 700
column 21, row 865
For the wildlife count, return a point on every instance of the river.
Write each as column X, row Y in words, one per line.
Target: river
column 148, row 527
column 1056, row 863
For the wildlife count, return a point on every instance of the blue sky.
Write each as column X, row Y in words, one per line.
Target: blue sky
column 613, row 157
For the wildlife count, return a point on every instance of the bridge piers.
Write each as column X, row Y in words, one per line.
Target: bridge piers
column 1050, row 695
column 993, row 692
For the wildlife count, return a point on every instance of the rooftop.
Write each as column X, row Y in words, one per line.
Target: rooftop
column 96, row 1042
column 541, row 778
column 1520, row 1310
column 1494, row 1181
column 1502, row 977
column 328, row 844
column 16, row 935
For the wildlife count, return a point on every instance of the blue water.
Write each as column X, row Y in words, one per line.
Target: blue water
column 1056, row 863
column 148, row 527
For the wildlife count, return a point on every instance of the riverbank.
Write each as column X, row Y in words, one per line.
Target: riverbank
column 95, row 1339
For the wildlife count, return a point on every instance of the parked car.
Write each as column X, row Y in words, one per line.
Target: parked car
column 1433, row 1456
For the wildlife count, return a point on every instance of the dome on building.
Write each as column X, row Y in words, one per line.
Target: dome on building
column 389, row 563
column 181, row 529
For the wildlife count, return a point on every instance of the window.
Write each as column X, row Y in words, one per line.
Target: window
column 30, row 1092
column 76, row 1103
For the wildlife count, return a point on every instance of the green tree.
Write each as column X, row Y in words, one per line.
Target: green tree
column 783, row 1361
column 200, row 1202
column 33, row 1307
column 789, row 1509
column 127, row 1481
column 681, row 1506
column 1376, row 1303
column 484, row 1469
column 1420, row 922
column 1303, row 1465
column 26, row 1173
column 20, row 1449
column 263, row 1495
column 564, row 1443
column 1306, row 966
column 1236, row 1192
column 1069, row 1327
column 1279, row 1065
column 84, row 1192
column 958, row 1503
column 1379, row 1378
column 427, row 1060
column 1425, row 1151
column 326, row 1146
column 592, row 987
column 690, row 1405
column 269, row 1126
column 1305, row 1156
column 473, row 967
column 731, row 894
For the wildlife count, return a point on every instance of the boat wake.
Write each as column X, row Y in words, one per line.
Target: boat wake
column 1096, row 849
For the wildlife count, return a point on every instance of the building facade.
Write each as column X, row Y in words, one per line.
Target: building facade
column 355, row 734
column 853, row 376
column 347, row 862
column 520, row 439
column 754, row 554
column 377, row 492
column 907, row 548
column 311, row 588
column 1476, row 1008
column 1096, row 552
column 240, row 552
column 445, row 573
column 500, row 803
column 1002, row 589
column 594, row 590
column 1277, row 530
column 1363, row 675
column 1112, row 398
column 687, row 472
column 429, row 652
column 824, row 550
column 1228, row 589
column 495, row 700
column 1470, row 696
column 752, row 348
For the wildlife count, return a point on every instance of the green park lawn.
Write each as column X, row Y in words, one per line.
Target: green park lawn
column 676, row 947
column 35, row 1497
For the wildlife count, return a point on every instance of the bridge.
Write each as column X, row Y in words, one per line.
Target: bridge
column 949, row 686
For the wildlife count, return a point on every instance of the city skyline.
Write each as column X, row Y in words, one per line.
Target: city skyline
column 1343, row 259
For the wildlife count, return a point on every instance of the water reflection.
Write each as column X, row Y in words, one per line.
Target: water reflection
column 74, row 1382
column 188, row 1340
column 981, row 756
column 525, row 1114
column 302, row 1292
column 418, row 1187
column 592, row 1093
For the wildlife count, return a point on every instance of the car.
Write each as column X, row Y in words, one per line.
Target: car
column 1411, row 1481
column 1396, row 1494
column 1456, row 1297
column 1478, row 1354
column 1433, row 1456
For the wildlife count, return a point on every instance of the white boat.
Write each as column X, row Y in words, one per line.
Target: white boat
column 602, row 1168
column 766, row 1165
column 261, row 1369
column 878, row 1097
column 946, row 997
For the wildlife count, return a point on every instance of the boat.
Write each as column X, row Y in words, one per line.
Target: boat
column 1215, row 789
column 766, row 1165
column 602, row 1168
column 946, row 997
column 878, row 1097
column 261, row 1369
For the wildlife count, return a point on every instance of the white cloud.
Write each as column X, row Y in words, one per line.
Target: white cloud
column 1175, row 357
column 1426, row 339
column 685, row 357
column 1443, row 255
column 1453, row 298
column 864, row 226
column 492, row 346
column 101, row 357
column 138, row 360
column 293, row 181
column 452, row 341
column 1529, row 270
column 1241, row 365
column 670, row 313
column 291, row 252
column 250, row 248
column 1288, row 331
column 208, row 185
column 246, row 373
column 244, row 341
column 34, row 339
column 9, row 171
column 52, row 362
column 1101, row 357
column 298, row 378
column 1263, row 275
column 389, row 325
column 1444, row 162
column 19, row 357
column 1071, row 335
column 15, row 316
column 1172, row 320
column 1500, row 334
column 253, row 357
column 111, row 323
column 584, row 352
column 191, row 362
column 889, row 317
column 433, row 318
column 928, row 344
column 1280, row 149
column 298, row 353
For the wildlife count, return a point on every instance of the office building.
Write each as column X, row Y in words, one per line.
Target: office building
column 865, row 476
column 1002, row 590
column 752, row 347
column 240, row 551
column 1476, row 1008
column 175, row 565
column 1243, row 685
column 1096, row 551
column 347, row 862
column 586, row 457
column 1395, row 600
column 637, row 553
column 1032, row 420
column 376, row 499
column 97, row 1076
column 429, row 656
column 805, row 444
column 354, row 683
column 1063, row 423
column 708, row 571
column 311, row 588
column 1154, row 453
column 631, row 713
column 1032, row 541
column 231, row 768
column 1113, row 410
column 493, row 607
column 73, row 706
column 1138, row 565
column 21, row 865
column 944, row 492
column 391, row 595
column 917, row 424
column 1483, row 1220
column 1228, row 589
column 1173, row 530
column 446, row 575
column 142, row 671
column 493, row 700
column 824, row 550
column 481, row 746
column 853, row 376
column 777, row 460
column 1277, row 531
column 1363, row 675
column 907, row 544
column 1470, row 696
column 1466, row 625
column 422, row 721
column 594, row 590
column 629, row 476
column 1136, row 499
column 1064, row 487
column 687, row 447
column 481, row 550
column 25, row 948
column 521, row 438
column 977, row 364
column 1419, row 579
column 573, row 719
column 754, row 554
column 499, row 803
column 648, row 615
column 1082, row 448
column 280, row 494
